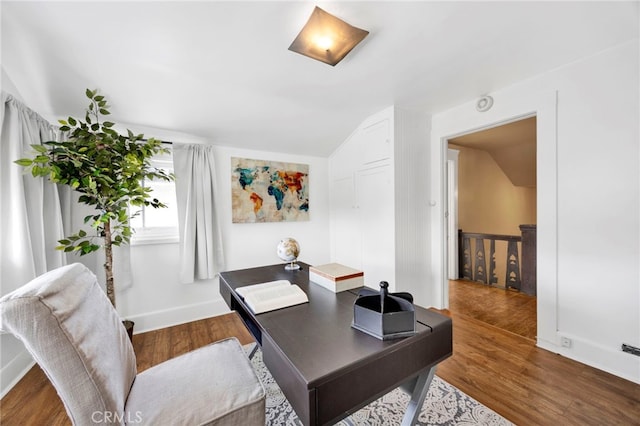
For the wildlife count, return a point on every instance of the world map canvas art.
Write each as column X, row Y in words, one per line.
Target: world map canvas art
column 268, row 191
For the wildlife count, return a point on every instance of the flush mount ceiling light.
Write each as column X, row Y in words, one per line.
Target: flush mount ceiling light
column 326, row 38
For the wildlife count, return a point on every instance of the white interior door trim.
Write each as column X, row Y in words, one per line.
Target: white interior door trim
column 464, row 119
column 452, row 216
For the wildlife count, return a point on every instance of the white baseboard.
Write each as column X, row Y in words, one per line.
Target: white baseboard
column 169, row 317
column 618, row 363
column 15, row 370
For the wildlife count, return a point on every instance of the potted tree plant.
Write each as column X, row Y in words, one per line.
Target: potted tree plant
column 108, row 170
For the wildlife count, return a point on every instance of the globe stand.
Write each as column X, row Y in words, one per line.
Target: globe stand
column 293, row 266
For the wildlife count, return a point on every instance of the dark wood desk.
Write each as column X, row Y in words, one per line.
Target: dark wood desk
column 326, row 369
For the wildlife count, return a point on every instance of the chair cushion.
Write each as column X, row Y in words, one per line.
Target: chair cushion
column 67, row 323
column 213, row 385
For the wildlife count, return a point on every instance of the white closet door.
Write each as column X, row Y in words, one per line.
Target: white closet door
column 345, row 222
column 375, row 196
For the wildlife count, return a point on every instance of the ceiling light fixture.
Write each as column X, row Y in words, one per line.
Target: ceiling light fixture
column 326, row 38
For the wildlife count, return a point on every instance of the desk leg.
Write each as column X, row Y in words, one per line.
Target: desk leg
column 418, row 389
column 253, row 350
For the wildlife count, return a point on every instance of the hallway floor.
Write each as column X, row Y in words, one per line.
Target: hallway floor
column 506, row 309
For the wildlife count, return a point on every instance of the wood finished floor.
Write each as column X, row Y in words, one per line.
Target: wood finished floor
column 499, row 368
column 505, row 309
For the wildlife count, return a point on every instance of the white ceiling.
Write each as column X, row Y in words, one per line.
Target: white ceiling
column 222, row 71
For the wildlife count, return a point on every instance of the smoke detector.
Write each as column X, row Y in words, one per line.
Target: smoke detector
column 484, row 103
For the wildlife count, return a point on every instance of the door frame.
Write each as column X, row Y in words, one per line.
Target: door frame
column 452, row 214
column 466, row 119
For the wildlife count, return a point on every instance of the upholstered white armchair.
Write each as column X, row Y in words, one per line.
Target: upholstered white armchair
column 69, row 326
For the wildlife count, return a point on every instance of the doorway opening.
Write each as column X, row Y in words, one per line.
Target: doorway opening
column 490, row 219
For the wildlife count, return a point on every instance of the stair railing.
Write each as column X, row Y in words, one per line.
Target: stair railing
column 520, row 276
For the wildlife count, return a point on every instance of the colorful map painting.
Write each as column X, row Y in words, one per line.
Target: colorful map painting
column 267, row 191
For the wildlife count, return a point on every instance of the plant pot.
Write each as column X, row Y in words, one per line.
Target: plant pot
column 128, row 325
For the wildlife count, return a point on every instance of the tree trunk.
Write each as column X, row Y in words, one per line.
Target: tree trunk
column 108, row 263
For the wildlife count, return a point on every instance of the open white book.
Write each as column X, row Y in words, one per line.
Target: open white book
column 272, row 295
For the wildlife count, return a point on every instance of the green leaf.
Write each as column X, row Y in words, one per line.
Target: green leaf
column 63, row 122
column 39, row 148
column 98, row 98
column 89, row 249
column 95, row 126
column 24, row 162
column 82, row 233
column 87, row 218
column 104, row 111
column 72, row 121
column 90, row 94
column 108, row 124
column 65, row 128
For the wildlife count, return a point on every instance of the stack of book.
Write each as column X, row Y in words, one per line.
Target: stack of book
column 336, row 277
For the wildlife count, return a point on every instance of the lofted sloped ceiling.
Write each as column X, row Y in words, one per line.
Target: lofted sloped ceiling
column 512, row 146
column 221, row 70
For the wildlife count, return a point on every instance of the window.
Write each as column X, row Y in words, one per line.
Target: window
column 153, row 225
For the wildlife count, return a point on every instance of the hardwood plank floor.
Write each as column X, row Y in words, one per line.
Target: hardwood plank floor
column 496, row 362
column 505, row 309
column 499, row 368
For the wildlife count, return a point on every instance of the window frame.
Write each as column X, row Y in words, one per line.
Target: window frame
column 156, row 234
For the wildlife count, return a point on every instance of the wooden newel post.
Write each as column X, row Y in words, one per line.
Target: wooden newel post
column 460, row 255
column 528, row 259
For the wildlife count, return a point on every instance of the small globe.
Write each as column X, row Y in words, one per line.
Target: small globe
column 288, row 250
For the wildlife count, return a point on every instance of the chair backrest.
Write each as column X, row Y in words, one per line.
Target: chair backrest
column 67, row 323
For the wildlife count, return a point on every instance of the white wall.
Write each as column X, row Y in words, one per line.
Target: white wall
column 588, row 201
column 156, row 298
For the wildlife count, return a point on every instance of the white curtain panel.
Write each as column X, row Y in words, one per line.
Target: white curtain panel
column 30, row 216
column 30, row 213
column 201, row 254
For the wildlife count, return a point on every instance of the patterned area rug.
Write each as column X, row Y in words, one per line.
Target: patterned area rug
column 444, row 405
